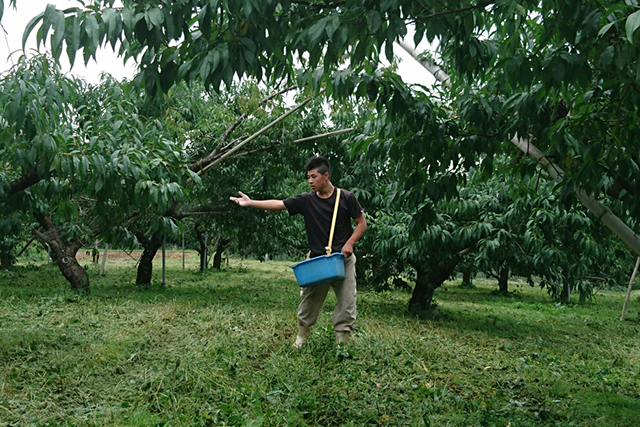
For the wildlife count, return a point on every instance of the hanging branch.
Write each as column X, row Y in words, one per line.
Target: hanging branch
column 24, row 182
column 204, row 161
column 435, row 70
column 255, row 135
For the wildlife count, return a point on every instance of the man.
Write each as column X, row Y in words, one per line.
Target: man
column 317, row 209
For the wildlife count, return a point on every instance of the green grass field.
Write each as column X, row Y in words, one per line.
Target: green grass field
column 215, row 350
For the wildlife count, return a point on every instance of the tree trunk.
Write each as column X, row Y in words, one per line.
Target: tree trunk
column 202, row 250
column 503, row 281
column 63, row 253
column 422, row 296
column 565, row 295
column 467, row 277
column 428, row 281
column 567, row 280
column 6, row 259
column 145, row 266
column 223, row 244
column 7, row 252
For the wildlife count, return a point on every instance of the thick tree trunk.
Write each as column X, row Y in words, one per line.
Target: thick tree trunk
column 63, row 254
column 422, row 296
column 150, row 248
column 503, row 281
column 428, row 281
column 223, row 244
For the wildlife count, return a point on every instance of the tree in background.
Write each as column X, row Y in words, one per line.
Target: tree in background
column 507, row 60
column 508, row 63
column 81, row 162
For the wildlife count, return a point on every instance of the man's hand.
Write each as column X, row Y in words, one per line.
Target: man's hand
column 243, row 200
column 347, row 250
column 267, row 205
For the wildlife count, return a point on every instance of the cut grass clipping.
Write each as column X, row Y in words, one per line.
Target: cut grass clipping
column 215, row 350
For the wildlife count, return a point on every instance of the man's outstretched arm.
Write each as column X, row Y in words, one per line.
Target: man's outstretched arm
column 267, row 205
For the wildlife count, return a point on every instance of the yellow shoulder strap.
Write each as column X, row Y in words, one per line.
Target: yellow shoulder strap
column 333, row 222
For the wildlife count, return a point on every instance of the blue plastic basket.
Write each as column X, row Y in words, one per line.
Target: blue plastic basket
column 319, row 270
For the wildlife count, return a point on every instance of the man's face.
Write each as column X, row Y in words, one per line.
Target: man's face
column 317, row 181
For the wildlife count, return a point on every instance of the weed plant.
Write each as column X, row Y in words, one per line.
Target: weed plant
column 214, row 349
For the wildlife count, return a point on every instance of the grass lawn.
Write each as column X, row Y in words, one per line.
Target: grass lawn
column 215, row 350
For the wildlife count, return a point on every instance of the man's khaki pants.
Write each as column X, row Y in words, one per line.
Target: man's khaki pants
column 345, row 313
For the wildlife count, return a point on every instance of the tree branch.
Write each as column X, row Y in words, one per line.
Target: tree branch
column 453, row 11
column 297, row 141
column 201, row 210
column 255, row 135
column 24, row 182
column 204, row 161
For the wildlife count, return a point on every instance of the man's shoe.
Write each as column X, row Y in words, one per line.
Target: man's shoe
column 342, row 339
column 302, row 337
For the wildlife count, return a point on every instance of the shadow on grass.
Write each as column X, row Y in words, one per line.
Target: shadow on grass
column 608, row 409
column 248, row 289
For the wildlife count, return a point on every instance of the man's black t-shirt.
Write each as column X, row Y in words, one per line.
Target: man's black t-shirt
column 318, row 213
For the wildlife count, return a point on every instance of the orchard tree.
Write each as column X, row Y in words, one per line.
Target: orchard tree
column 245, row 139
column 500, row 227
column 570, row 249
column 81, row 162
column 559, row 75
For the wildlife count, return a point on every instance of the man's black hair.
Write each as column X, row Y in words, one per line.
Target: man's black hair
column 319, row 163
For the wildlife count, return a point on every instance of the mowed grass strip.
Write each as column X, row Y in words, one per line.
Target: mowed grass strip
column 215, row 349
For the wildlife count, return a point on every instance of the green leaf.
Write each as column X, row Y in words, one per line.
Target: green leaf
column 333, row 22
column 155, row 18
column 92, row 30
column 258, row 422
column 49, row 14
column 128, row 19
column 114, row 25
column 249, row 44
column 248, row 7
column 316, row 76
column 633, row 22
column 374, row 21
column 1, row 9
column 607, row 56
column 227, row 75
column 317, row 30
column 58, row 34
column 72, row 38
column 30, row 26
column 604, row 29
